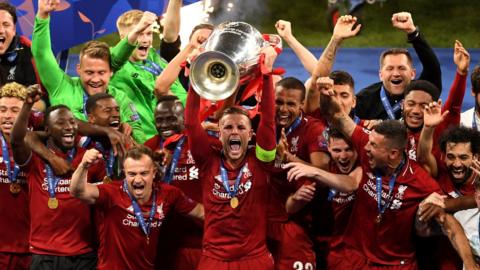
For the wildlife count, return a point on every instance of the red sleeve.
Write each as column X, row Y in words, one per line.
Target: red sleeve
column 316, row 141
column 266, row 129
column 359, row 140
column 152, row 143
column 455, row 98
column 181, row 203
column 197, row 137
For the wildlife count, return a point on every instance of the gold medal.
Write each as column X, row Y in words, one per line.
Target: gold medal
column 234, row 202
column 378, row 219
column 52, row 203
column 148, row 240
column 107, row 180
column 15, row 188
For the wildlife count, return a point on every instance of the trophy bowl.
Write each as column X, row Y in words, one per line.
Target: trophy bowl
column 231, row 53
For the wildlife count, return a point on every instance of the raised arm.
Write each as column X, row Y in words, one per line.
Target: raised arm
column 125, row 47
column 343, row 30
column 79, row 188
column 461, row 58
column 431, row 66
column 197, row 136
column 284, row 30
column 432, row 117
column 341, row 182
column 331, row 104
column 171, row 27
column 21, row 151
column 266, row 141
column 49, row 72
column 171, row 72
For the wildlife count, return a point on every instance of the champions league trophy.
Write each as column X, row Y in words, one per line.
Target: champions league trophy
column 231, row 54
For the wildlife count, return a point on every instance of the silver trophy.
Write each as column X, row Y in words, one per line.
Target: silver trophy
column 231, row 53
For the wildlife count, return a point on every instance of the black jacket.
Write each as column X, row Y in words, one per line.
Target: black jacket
column 369, row 105
column 17, row 63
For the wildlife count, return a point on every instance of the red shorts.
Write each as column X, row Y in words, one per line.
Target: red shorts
column 262, row 262
column 15, row 261
column 353, row 260
column 291, row 247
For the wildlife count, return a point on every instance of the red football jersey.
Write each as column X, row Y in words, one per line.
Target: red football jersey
column 14, row 213
column 120, row 234
column 342, row 206
column 234, row 233
column 67, row 230
column 391, row 240
column 179, row 230
column 307, row 138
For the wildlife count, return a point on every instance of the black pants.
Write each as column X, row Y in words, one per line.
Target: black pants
column 80, row 262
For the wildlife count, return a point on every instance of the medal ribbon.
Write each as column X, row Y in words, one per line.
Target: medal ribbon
column 52, row 179
column 145, row 226
column 12, row 176
column 110, row 158
column 173, row 165
column 224, row 176
column 386, row 104
column 151, row 67
column 391, row 184
column 292, row 127
column 160, row 143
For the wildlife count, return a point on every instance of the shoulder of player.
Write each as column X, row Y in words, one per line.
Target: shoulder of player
column 413, row 170
column 310, row 126
column 165, row 191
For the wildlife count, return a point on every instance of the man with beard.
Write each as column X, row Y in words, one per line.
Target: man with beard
column 391, row 187
column 15, row 221
column 181, row 245
column 300, row 139
column 61, row 231
column 344, row 161
column 136, row 78
column 235, row 181
column 459, row 147
column 128, row 237
column 471, row 117
column 383, row 100
column 97, row 63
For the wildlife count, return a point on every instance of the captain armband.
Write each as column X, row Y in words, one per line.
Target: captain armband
column 265, row 155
